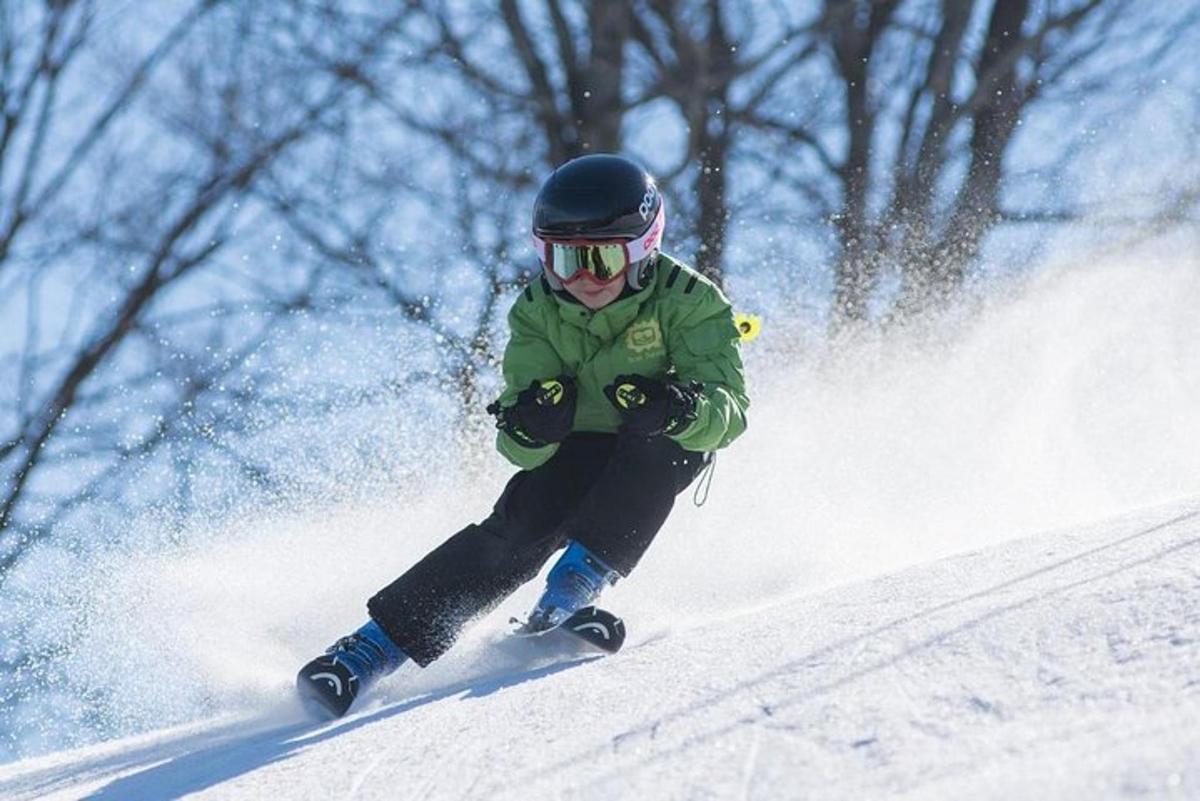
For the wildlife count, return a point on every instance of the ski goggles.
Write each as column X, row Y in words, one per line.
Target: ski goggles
column 598, row 260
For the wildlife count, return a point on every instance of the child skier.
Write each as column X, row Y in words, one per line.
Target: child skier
column 622, row 377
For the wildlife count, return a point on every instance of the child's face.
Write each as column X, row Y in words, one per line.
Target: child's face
column 595, row 296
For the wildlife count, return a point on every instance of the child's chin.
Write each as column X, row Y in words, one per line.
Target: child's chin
column 595, row 299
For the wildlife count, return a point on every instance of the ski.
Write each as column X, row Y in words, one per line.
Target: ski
column 598, row 628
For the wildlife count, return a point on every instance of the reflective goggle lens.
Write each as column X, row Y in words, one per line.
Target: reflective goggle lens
column 602, row 261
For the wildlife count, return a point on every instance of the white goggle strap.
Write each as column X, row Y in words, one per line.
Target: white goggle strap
column 539, row 245
column 648, row 242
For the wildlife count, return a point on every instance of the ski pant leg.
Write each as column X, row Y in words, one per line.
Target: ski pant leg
column 631, row 498
column 424, row 610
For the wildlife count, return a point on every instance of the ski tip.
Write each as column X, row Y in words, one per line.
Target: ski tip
column 326, row 689
column 596, row 627
column 599, row 628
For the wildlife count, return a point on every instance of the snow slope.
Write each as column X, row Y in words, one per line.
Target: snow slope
column 1065, row 665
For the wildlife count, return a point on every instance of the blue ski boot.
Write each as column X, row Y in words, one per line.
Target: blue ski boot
column 575, row 582
column 329, row 684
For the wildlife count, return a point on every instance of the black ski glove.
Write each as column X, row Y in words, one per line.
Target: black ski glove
column 650, row 407
column 544, row 412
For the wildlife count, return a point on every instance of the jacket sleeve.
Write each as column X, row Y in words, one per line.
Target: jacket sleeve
column 528, row 357
column 704, row 347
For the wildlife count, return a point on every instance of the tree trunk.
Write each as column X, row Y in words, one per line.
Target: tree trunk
column 597, row 98
column 977, row 208
column 710, row 143
column 854, row 37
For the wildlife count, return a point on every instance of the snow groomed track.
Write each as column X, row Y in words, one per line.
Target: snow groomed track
column 1065, row 665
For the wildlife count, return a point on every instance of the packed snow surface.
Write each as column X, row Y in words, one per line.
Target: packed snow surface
column 1065, row 665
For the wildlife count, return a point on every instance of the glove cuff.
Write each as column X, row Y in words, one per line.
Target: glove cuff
column 683, row 408
column 519, row 436
column 507, row 420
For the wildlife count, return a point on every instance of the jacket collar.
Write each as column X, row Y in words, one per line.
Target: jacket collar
column 606, row 323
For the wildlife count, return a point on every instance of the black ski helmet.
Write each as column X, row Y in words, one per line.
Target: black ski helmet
column 600, row 196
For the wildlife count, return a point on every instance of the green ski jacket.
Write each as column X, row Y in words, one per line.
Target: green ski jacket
column 681, row 324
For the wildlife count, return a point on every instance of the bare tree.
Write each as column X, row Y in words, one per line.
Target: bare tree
column 567, row 61
column 1009, row 70
column 906, row 138
column 226, row 127
column 498, row 134
column 397, row 152
column 43, row 152
column 696, row 67
column 701, row 54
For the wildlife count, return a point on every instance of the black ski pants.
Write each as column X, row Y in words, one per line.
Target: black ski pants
column 610, row 492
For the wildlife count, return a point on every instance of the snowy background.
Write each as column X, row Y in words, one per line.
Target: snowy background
column 953, row 556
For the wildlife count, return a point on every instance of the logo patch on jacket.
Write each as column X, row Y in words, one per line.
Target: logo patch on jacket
column 644, row 338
